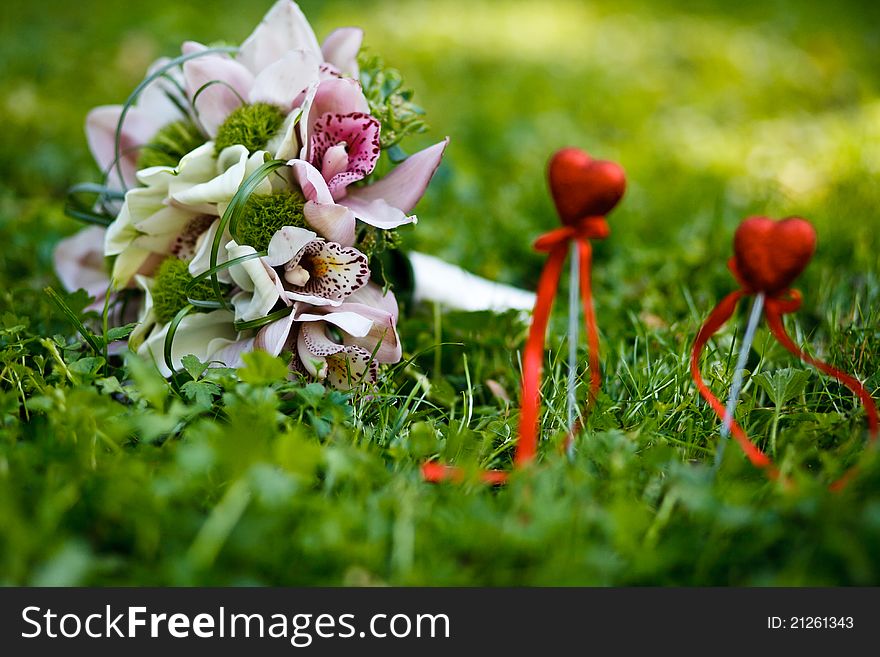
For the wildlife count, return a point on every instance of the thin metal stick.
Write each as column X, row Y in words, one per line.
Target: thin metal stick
column 736, row 386
column 573, row 324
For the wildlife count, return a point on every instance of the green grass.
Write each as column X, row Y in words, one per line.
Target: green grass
column 110, row 476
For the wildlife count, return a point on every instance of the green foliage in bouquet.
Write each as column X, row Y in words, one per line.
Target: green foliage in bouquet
column 390, row 102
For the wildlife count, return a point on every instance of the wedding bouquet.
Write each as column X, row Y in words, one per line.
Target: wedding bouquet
column 248, row 193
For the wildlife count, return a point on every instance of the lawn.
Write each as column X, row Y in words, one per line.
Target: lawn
column 110, row 476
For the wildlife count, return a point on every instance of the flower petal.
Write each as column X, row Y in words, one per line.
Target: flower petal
column 341, row 48
column 357, row 135
column 285, row 143
column 341, row 365
column 232, row 167
column 334, row 272
column 146, row 318
column 79, row 262
column 229, row 354
column 351, row 367
column 382, row 338
column 198, row 334
column 283, row 28
column 282, row 82
column 335, row 222
column 286, row 243
column 261, row 289
column 372, row 294
column 274, row 337
column 138, row 129
column 330, row 96
column 311, row 182
column 201, row 261
column 352, row 323
column 377, row 213
column 332, row 221
column 404, row 186
column 218, row 100
column 156, row 100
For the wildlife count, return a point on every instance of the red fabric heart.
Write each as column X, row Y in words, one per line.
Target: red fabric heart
column 583, row 187
column 769, row 255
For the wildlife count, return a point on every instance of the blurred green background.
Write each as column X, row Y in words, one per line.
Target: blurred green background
column 715, row 109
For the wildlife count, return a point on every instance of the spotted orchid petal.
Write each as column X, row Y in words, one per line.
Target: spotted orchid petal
column 325, row 273
column 341, row 48
column 341, row 365
column 284, row 28
column 386, row 202
column 229, row 83
column 345, row 147
column 330, row 96
column 382, row 339
column 333, row 162
column 282, row 82
column 365, row 326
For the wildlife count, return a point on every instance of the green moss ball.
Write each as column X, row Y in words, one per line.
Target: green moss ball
column 251, row 126
column 169, row 289
column 266, row 214
column 171, row 143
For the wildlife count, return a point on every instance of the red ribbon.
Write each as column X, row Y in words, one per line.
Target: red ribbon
column 556, row 244
column 777, row 305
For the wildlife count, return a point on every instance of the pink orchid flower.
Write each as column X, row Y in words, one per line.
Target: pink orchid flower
column 79, row 262
column 340, row 140
column 364, row 335
column 153, row 110
column 276, row 64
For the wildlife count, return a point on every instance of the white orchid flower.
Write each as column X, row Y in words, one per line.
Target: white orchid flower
column 299, row 267
column 174, row 208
